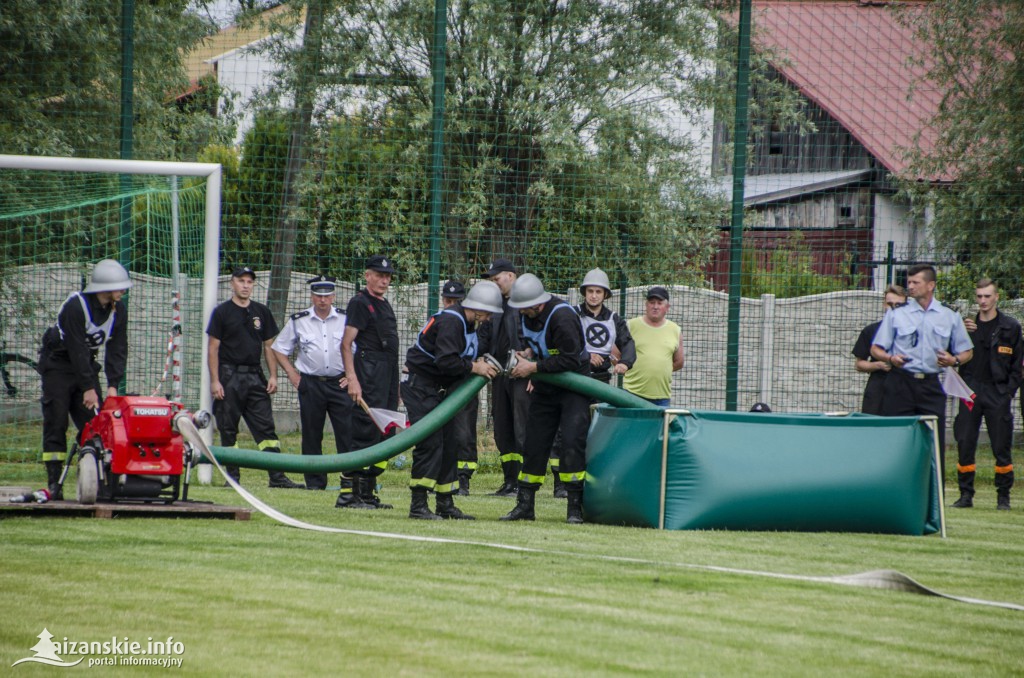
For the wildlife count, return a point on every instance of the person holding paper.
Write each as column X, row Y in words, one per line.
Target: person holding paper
column 918, row 340
column 994, row 375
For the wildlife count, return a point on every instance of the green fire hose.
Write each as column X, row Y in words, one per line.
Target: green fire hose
column 404, row 440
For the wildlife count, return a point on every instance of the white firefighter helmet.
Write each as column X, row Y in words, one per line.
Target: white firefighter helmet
column 527, row 291
column 483, row 296
column 108, row 276
column 596, row 278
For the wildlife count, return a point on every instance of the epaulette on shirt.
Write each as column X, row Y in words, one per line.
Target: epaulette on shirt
column 340, row 311
column 300, row 314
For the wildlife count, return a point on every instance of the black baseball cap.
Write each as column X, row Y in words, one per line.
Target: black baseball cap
column 379, row 263
column 657, row 292
column 453, row 289
column 322, row 285
column 499, row 265
column 243, row 270
column 761, row 407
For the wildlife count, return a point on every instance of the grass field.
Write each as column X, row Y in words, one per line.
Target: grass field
column 258, row 598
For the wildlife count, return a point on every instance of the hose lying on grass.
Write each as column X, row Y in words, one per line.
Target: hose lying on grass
column 876, row 579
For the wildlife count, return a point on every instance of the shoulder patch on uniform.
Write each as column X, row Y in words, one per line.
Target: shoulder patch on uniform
column 300, row 314
column 340, row 311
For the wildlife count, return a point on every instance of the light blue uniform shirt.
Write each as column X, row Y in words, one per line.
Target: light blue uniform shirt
column 918, row 333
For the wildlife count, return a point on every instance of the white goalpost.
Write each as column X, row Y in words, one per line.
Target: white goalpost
column 211, row 172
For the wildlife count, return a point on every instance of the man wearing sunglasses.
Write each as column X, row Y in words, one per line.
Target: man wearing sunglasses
column 919, row 340
column 895, row 296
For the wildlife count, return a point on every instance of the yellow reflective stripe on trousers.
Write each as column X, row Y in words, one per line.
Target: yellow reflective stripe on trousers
column 382, row 465
column 267, row 444
column 511, row 456
column 579, row 476
column 467, row 466
column 446, row 488
column 425, row 483
column 527, row 478
column 55, row 456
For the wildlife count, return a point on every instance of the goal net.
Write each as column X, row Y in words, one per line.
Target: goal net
column 58, row 217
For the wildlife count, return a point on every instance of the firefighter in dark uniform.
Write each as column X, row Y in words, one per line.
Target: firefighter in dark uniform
column 89, row 320
column 995, row 375
column 318, row 374
column 452, row 292
column 241, row 331
column 554, row 335
column 444, row 355
column 510, row 403
column 894, row 297
column 603, row 330
column 370, row 351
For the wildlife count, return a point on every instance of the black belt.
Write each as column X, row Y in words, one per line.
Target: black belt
column 426, row 382
column 242, row 369
column 917, row 375
column 319, row 378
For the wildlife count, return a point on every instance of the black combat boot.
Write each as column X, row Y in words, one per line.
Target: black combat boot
column 418, row 508
column 463, row 485
column 966, row 500
column 280, row 481
column 560, row 491
column 446, row 508
column 367, row 488
column 348, row 497
column 574, row 508
column 1003, row 500
column 510, row 487
column 53, row 486
column 235, row 473
column 524, row 505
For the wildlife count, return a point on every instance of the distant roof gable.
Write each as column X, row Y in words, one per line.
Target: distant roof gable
column 852, row 59
column 199, row 61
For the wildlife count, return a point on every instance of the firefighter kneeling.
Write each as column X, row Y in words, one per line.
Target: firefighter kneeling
column 554, row 335
column 444, row 355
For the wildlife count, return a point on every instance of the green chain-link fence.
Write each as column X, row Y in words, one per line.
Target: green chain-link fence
column 563, row 135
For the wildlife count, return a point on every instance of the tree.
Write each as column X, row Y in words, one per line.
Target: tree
column 559, row 116
column 975, row 56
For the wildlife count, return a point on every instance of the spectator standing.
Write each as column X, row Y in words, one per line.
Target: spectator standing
column 895, row 296
column 240, row 332
column 659, row 350
column 370, row 351
column 313, row 337
column 919, row 340
column 994, row 374
column 510, row 403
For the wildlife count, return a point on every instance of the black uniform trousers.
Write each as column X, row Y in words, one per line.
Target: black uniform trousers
column 510, row 408
column 906, row 395
column 62, row 397
column 994, row 408
column 466, row 421
column 378, row 375
column 245, row 396
column 551, row 410
column 319, row 398
column 435, row 457
column 556, row 447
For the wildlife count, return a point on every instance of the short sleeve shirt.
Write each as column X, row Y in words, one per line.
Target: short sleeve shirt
column 918, row 333
column 376, row 322
column 242, row 332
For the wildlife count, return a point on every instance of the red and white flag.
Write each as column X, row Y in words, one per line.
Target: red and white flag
column 954, row 385
column 386, row 420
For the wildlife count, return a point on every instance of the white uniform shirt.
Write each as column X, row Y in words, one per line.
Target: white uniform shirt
column 318, row 342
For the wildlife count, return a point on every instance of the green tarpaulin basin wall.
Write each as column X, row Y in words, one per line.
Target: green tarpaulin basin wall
column 702, row 470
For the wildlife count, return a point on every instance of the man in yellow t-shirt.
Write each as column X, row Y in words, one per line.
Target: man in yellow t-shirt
column 659, row 351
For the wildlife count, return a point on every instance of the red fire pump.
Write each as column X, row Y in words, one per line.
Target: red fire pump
column 131, row 451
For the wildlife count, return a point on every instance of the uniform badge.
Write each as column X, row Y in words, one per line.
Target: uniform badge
column 1006, row 350
column 257, row 323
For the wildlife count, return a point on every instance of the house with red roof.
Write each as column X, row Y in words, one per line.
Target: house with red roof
column 856, row 70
